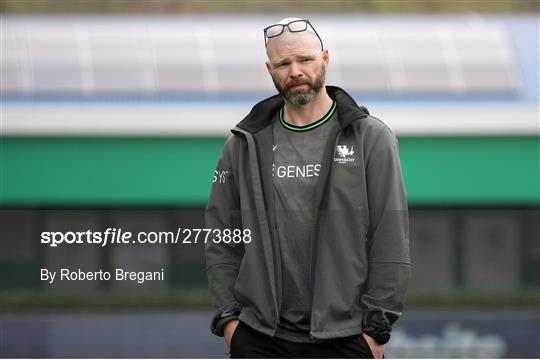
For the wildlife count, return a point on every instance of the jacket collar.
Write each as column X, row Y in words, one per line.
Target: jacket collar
column 262, row 113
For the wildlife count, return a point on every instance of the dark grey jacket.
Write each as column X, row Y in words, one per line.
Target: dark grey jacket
column 360, row 265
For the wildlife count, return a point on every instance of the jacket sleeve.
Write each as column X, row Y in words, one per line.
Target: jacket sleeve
column 223, row 259
column 388, row 235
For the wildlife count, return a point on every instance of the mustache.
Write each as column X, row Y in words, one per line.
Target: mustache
column 293, row 83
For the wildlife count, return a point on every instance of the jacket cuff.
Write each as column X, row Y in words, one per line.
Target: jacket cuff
column 375, row 321
column 221, row 318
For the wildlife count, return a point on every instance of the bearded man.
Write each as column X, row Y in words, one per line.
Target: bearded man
column 313, row 184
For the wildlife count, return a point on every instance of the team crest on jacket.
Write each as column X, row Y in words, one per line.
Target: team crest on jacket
column 344, row 155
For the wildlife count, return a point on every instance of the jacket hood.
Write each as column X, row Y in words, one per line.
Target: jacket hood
column 262, row 113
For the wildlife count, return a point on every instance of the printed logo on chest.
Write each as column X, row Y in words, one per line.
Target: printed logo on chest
column 344, row 154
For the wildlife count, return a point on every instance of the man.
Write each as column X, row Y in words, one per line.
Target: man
column 316, row 182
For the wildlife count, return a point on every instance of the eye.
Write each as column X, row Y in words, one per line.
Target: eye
column 306, row 60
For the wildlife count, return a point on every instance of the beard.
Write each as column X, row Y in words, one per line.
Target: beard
column 302, row 97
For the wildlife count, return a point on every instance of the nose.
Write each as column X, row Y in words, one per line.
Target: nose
column 295, row 71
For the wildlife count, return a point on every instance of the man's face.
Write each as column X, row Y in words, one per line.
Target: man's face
column 297, row 66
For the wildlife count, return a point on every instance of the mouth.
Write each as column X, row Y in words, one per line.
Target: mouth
column 294, row 86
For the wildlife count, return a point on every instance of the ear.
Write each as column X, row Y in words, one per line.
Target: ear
column 326, row 56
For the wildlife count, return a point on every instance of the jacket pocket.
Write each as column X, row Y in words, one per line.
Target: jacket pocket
column 366, row 346
column 234, row 337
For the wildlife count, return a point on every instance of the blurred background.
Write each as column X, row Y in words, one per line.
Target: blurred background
column 114, row 113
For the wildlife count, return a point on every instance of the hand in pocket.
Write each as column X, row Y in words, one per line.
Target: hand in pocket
column 376, row 350
column 228, row 331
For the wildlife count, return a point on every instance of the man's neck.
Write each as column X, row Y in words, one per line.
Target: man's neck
column 306, row 114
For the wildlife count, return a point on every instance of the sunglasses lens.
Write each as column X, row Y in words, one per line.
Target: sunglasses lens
column 297, row 26
column 274, row 31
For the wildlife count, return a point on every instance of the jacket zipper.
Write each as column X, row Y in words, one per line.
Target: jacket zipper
column 273, row 241
column 264, row 207
column 315, row 244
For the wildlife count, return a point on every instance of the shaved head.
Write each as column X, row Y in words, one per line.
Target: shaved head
column 304, row 39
